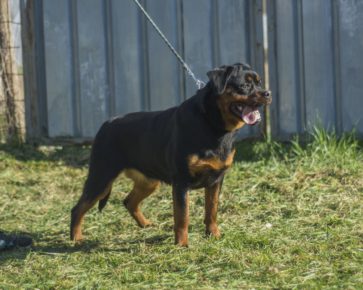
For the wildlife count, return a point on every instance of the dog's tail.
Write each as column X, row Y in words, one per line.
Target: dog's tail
column 102, row 202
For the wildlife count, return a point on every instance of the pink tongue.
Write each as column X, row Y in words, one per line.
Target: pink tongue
column 250, row 116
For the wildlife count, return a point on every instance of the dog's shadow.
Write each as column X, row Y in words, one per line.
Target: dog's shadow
column 56, row 245
column 49, row 245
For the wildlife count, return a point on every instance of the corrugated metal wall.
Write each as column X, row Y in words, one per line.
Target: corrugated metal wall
column 88, row 60
column 316, row 65
column 101, row 58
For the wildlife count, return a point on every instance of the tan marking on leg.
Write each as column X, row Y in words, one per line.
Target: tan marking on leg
column 181, row 221
column 80, row 210
column 78, row 218
column 143, row 187
column 211, row 207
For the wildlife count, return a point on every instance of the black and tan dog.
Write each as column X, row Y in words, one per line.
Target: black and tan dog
column 189, row 146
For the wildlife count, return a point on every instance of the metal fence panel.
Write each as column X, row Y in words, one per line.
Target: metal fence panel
column 58, row 67
column 315, row 65
column 128, row 58
column 164, row 72
column 92, row 65
column 102, row 58
column 285, row 85
column 318, row 63
column 198, row 45
column 351, row 63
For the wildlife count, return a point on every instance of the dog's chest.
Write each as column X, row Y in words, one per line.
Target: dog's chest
column 207, row 169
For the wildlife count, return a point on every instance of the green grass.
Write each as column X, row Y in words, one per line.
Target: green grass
column 290, row 214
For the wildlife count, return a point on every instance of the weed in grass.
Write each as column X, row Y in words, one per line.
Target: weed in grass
column 290, row 214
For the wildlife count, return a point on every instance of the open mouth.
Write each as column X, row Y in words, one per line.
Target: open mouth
column 249, row 114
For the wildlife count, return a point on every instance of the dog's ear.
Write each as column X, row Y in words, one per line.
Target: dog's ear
column 219, row 77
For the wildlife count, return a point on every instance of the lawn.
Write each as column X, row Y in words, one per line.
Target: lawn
column 291, row 217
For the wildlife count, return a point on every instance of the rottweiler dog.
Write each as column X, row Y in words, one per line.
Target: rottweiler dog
column 189, row 146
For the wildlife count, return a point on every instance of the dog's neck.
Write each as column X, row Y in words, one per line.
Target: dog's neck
column 209, row 108
column 204, row 102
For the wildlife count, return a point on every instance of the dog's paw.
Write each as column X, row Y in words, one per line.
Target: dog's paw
column 145, row 223
column 213, row 231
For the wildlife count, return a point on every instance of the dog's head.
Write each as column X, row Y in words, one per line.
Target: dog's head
column 239, row 94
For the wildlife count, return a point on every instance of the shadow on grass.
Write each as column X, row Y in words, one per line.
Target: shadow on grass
column 14, row 254
column 18, row 253
column 155, row 240
column 55, row 247
column 74, row 156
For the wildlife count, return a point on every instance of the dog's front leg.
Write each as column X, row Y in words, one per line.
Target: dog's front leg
column 211, row 207
column 181, row 214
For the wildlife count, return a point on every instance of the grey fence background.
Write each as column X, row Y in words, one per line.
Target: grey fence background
column 87, row 60
column 316, row 65
column 94, row 59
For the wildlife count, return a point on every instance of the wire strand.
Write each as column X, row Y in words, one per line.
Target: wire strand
column 200, row 84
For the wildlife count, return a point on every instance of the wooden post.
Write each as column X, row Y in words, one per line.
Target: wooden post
column 11, row 77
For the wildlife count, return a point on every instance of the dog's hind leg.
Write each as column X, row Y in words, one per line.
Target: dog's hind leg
column 143, row 187
column 102, row 202
column 96, row 188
